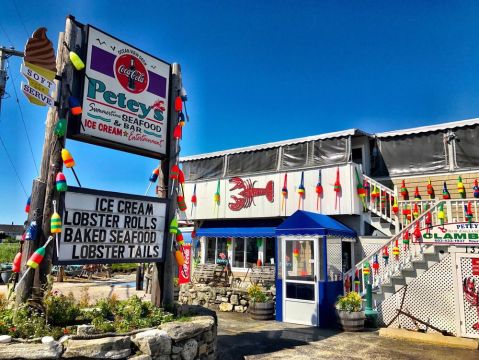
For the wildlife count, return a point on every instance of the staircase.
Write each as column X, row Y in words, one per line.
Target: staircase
column 415, row 258
column 378, row 202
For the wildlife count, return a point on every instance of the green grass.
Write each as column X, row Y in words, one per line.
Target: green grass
column 8, row 252
column 124, row 267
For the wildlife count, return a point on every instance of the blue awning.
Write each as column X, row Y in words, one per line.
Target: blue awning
column 239, row 228
column 309, row 223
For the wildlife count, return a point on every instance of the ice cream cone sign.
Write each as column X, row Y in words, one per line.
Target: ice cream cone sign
column 39, row 68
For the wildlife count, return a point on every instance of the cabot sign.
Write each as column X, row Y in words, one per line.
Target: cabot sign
column 125, row 98
column 100, row 227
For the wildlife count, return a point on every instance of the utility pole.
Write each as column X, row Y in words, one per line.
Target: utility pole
column 5, row 53
column 43, row 191
column 163, row 273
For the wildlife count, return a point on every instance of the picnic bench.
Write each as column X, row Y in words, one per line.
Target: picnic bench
column 214, row 274
column 263, row 275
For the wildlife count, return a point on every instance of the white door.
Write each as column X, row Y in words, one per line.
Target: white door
column 300, row 269
column 467, row 276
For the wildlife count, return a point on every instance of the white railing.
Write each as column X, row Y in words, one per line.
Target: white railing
column 392, row 265
column 454, row 211
column 381, row 203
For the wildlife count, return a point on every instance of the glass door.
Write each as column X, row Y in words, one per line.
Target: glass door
column 300, row 269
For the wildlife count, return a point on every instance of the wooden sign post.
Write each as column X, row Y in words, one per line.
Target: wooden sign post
column 163, row 85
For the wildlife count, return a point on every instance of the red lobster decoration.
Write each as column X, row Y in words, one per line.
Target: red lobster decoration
column 472, row 296
column 248, row 193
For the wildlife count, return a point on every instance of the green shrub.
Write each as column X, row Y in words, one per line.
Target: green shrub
column 350, row 302
column 256, row 294
column 61, row 310
column 124, row 267
column 8, row 252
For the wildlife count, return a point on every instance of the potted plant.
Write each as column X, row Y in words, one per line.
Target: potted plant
column 350, row 312
column 6, row 272
column 260, row 305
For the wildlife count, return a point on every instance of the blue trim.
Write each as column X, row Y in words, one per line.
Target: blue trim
column 309, row 223
column 325, row 258
column 279, row 299
column 239, row 228
column 328, row 293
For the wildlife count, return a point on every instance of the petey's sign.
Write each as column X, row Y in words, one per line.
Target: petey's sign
column 462, row 233
column 124, row 99
column 101, row 227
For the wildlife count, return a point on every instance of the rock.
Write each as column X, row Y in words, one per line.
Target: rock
column 85, row 330
column 239, row 308
column 140, row 357
column 30, row 351
column 243, row 302
column 117, row 347
column 189, row 350
column 234, row 299
column 224, row 306
column 63, row 339
column 48, row 340
column 179, row 331
column 5, row 339
column 202, row 349
column 228, row 293
column 208, row 336
column 224, row 299
column 153, row 342
column 176, row 349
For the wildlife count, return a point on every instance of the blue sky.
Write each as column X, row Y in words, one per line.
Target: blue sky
column 258, row 72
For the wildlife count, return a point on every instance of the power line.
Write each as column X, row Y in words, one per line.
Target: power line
column 13, row 166
column 20, row 17
column 23, row 120
column 6, row 35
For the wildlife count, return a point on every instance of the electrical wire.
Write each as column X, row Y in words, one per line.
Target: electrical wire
column 6, row 35
column 20, row 17
column 23, row 119
column 13, row 166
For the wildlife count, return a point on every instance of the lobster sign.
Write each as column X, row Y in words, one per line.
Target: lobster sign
column 248, row 192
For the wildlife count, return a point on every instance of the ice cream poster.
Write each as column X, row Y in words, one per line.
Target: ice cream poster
column 39, row 69
column 125, row 96
column 184, row 270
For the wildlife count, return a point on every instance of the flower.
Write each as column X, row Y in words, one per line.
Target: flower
column 66, row 331
column 351, row 302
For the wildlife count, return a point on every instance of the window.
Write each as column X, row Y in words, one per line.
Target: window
column 269, row 251
column 210, row 251
column 203, row 169
column 221, row 247
column 252, row 162
column 295, row 156
column 238, row 252
column 251, row 252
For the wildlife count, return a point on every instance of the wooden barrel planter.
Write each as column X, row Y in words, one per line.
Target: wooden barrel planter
column 262, row 311
column 352, row 321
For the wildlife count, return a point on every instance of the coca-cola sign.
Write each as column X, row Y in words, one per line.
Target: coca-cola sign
column 131, row 73
column 125, row 98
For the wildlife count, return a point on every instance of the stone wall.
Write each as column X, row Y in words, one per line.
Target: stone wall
column 185, row 340
column 218, row 298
